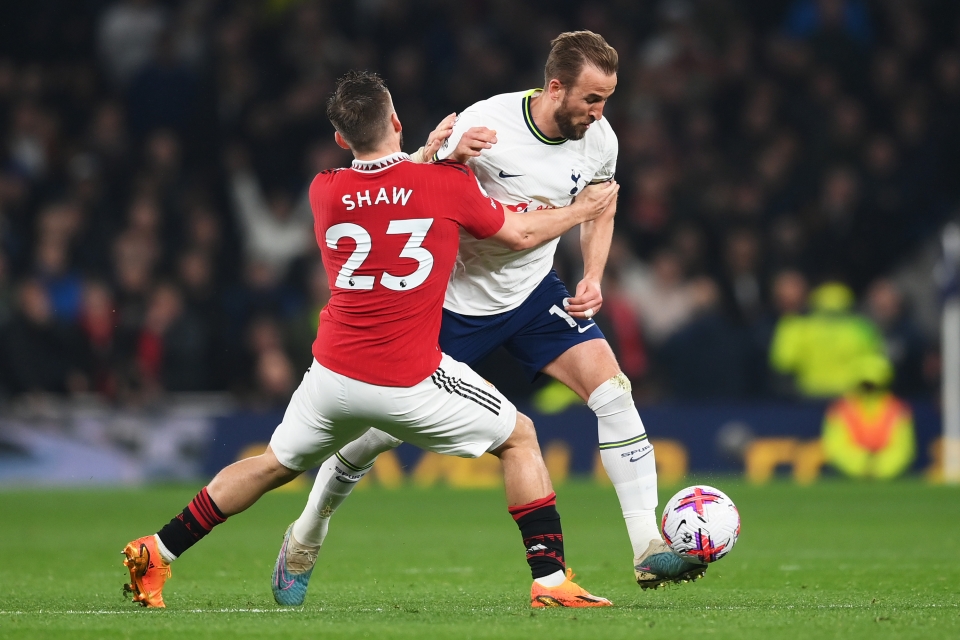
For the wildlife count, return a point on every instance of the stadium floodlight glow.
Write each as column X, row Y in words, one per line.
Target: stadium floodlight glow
column 949, row 276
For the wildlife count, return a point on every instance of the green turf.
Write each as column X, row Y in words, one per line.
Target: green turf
column 835, row 560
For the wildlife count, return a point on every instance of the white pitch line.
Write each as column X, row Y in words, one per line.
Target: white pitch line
column 829, row 606
column 104, row 612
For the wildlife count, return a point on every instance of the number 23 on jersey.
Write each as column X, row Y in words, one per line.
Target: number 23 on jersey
column 417, row 229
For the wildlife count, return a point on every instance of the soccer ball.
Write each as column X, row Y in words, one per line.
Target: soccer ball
column 701, row 523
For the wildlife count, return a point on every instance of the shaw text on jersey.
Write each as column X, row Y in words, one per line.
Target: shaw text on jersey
column 400, row 196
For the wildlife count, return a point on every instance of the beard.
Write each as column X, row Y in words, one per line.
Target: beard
column 566, row 123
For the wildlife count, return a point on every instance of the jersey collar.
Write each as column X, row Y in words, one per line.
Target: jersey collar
column 380, row 163
column 528, row 118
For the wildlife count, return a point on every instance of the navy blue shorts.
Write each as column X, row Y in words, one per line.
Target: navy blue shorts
column 534, row 333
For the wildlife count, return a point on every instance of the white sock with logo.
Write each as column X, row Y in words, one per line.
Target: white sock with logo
column 627, row 457
column 336, row 479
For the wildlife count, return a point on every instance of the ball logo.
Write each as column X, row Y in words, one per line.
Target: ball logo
column 705, row 549
column 696, row 500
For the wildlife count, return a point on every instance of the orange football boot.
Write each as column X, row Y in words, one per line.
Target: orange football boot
column 148, row 572
column 568, row 594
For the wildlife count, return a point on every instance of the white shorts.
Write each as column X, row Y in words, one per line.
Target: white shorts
column 454, row 412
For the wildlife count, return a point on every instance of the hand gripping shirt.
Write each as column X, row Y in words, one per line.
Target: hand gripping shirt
column 526, row 171
column 388, row 232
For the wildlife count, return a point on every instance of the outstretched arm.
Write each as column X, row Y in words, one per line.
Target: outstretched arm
column 527, row 230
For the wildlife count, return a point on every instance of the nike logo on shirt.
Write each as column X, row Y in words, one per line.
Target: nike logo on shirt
column 582, row 329
column 510, row 175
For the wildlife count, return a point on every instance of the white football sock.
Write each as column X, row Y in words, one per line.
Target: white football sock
column 555, row 579
column 336, row 479
column 627, row 456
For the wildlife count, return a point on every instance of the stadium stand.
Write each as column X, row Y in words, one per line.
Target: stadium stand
column 154, row 157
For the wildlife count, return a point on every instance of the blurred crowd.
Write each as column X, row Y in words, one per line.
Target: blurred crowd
column 154, row 156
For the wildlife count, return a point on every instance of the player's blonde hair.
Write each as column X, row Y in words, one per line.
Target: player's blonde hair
column 570, row 51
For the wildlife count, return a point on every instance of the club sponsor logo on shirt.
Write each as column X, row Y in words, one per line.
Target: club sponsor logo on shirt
column 523, row 207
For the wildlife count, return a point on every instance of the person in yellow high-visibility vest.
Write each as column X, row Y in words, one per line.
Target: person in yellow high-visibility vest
column 868, row 433
column 821, row 349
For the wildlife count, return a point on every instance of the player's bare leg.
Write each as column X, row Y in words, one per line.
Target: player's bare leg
column 525, row 476
column 233, row 490
column 532, row 503
column 242, row 483
column 584, row 367
column 590, row 369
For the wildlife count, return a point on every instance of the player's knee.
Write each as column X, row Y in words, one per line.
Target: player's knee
column 524, row 434
column 270, row 466
column 615, row 393
column 382, row 440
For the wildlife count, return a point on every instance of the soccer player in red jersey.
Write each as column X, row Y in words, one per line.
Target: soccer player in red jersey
column 388, row 231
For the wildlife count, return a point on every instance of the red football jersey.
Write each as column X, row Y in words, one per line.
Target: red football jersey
column 388, row 232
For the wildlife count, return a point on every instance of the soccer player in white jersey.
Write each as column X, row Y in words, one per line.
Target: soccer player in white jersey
column 535, row 150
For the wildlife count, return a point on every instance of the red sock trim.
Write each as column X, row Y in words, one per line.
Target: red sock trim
column 521, row 510
column 217, row 514
column 205, row 511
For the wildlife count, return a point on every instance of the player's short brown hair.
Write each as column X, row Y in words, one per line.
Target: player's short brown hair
column 570, row 51
column 359, row 108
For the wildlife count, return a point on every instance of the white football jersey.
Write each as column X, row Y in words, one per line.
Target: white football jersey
column 526, row 171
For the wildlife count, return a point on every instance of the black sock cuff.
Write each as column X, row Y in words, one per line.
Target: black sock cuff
column 543, row 539
column 192, row 524
column 543, row 517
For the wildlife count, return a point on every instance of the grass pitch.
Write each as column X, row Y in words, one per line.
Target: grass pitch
column 836, row 560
